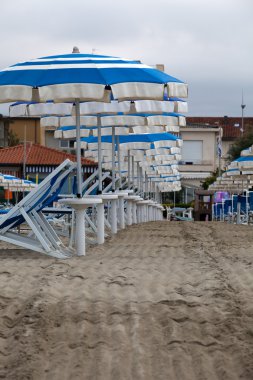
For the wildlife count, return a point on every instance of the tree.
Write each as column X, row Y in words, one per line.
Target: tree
column 209, row 180
column 12, row 138
column 241, row 143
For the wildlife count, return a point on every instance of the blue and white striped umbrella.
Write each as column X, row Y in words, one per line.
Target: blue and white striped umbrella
column 13, row 183
column 85, row 77
column 88, row 108
column 119, row 119
column 141, row 142
column 245, row 162
column 137, row 141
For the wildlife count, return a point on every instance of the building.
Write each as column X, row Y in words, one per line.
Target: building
column 200, row 147
column 199, row 155
column 199, row 150
column 28, row 129
column 21, row 128
column 231, row 129
column 35, row 161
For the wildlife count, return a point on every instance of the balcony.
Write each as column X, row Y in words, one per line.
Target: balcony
column 197, row 166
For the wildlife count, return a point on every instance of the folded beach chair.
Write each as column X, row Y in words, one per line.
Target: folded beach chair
column 41, row 236
column 217, row 211
column 250, row 207
column 243, row 209
column 227, row 210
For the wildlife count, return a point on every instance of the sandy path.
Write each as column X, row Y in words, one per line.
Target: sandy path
column 164, row 300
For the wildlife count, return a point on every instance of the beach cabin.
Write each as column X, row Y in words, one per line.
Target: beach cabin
column 203, row 205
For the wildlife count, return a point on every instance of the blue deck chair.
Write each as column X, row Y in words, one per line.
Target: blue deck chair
column 250, row 206
column 43, row 237
column 250, row 201
column 214, row 211
column 227, row 207
column 217, row 209
column 234, row 203
column 243, row 200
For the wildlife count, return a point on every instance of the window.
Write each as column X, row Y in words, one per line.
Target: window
column 192, row 151
column 64, row 144
column 50, row 141
column 4, row 134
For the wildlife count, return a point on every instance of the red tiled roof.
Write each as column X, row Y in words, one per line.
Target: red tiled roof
column 36, row 155
column 230, row 131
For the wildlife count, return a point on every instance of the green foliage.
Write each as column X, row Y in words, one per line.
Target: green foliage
column 183, row 205
column 12, row 138
column 241, row 143
column 209, row 180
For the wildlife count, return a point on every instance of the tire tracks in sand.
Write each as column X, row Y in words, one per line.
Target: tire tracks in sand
column 159, row 301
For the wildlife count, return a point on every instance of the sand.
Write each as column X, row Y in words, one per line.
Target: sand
column 162, row 300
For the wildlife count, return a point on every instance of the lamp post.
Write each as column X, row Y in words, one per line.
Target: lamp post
column 24, row 158
column 219, row 150
column 242, row 106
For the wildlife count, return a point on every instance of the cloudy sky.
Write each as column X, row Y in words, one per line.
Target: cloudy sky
column 208, row 44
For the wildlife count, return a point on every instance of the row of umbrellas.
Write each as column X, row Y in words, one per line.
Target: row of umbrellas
column 77, row 78
column 12, row 183
column 238, row 176
column 133, row 141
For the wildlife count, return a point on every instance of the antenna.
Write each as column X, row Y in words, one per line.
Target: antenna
column 242, row 106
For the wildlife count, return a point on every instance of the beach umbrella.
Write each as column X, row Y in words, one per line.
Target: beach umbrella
column 86, row 108
column 14, row 184
column 85, row 77
column 116, row 123
column 241, row 168
column 167, row 121
column 234, row 178
column 138, row 143
column 244, row 163
column 158, row 113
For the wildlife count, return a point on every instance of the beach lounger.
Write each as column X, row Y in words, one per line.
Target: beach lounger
column 41, row 236
column 242, row 209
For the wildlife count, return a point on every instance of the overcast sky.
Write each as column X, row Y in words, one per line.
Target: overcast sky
column 206, row 43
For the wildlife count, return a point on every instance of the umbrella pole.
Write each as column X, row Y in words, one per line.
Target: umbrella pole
column 24, row 162
column 119, row 166
column 113, row 158
column 145, row 183
column 153, row 190
column 141, row 175
column 148, row 187
column 78, row 150
column 128, row 168
column 138, row 177
column 99, row 158
column 133, row 172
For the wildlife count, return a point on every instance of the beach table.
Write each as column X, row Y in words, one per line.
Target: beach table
column 151, row 210
column 142, row 206
column 101, row 221
column 131, row 208
column 80, row 205
column 122, row 194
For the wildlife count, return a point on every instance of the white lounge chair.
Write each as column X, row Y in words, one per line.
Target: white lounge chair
column 42, row 237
